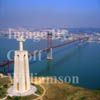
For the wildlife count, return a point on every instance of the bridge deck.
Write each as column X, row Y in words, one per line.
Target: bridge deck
column 3, row 64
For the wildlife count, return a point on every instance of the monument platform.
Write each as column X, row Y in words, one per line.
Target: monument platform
column 11, row 91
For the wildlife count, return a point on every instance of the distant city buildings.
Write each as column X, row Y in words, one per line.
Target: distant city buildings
column 57, row 34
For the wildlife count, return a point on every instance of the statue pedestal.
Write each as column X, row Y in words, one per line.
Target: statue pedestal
column 21, row 71
column 22, row 86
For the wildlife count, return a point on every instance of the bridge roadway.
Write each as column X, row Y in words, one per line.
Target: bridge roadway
column 6, row 63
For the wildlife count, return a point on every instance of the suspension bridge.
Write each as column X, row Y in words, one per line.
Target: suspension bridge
column 49, row 49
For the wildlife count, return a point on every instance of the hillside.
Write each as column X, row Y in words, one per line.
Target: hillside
column 60, row 91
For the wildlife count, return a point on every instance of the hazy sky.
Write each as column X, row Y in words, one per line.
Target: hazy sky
column 50, row 13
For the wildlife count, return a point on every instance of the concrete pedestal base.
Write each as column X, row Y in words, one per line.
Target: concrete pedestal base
column 12, row 92
column 49, row 58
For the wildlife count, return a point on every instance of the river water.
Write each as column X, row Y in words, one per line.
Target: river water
column 72, row 60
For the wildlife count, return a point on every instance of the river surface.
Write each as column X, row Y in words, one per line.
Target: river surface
column 72, row 60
